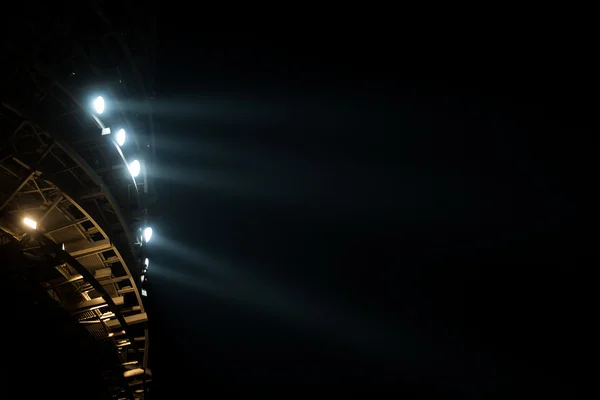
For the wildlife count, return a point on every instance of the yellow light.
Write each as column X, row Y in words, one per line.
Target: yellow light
column 30, row 223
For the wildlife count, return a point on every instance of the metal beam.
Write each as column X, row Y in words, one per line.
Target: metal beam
column 91, row 248
column 49, row 210
column 87, row 276
column 130, row 309
column 40, row 191
column 32, row 172
column 36, row 191
column 70, row 224
column 125, row 226
column 10, row 232
column 133, row 372
column 95, row 178
column 70, row 280
column 111, row 200
column 130, row 320
column 114, row 280
column 125, row 290
column 21, row 185
column 90, row 304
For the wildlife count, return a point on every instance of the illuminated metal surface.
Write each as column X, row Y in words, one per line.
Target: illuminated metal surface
column 58, row 170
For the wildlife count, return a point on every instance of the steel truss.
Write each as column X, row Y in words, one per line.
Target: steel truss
column 56, row 168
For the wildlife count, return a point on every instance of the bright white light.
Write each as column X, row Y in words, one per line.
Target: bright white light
column 134, row 168
column 99, row 104
column 143, row 278
column 30, row 223
column 147, row 234
column 121, row 137
column 63, row 246
column 144, row 293
column 146, row 262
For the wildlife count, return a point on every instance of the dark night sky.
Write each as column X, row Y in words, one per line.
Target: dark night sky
column 343, row 210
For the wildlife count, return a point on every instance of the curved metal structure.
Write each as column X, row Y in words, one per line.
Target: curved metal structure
column 67, row 197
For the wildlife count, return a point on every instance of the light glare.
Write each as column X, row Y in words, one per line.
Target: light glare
column 147, row 234
column 146, row 262
column 99, row 104
column 144, row 293
column 134, row 168
column 30, row 223
column 121, row 137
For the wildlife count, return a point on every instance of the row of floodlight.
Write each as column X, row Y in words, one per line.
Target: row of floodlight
column 135, row 167
column 98, row 106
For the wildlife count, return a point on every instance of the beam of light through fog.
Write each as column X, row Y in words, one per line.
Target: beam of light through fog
column 314, row 176
column 335, row 189
column 244, row 108
column 404, row 340
column 216, row 157
column 340, row 191
column 341, row 188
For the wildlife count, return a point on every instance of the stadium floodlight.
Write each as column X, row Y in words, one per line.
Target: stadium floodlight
column 121, row 134
column 30, row 223
column 146, row 263
column 147, row 234
column 99, row 105
column 134, row 168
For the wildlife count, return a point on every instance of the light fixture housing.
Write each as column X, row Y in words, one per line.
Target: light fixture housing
column 98, row 105
column 134, row 168
column 121, row 136
column 147, row 234
column 30, row 223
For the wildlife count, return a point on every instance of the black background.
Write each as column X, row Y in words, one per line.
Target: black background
column 362, row 210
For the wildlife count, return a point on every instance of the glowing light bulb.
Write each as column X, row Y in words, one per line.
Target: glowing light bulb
column 147, row 234
column 99, row 105
column 121, row 135
column 30, row 223
column 134, row 168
